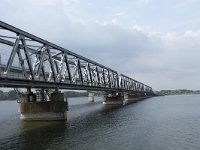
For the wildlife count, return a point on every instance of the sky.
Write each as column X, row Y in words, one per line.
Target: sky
column 156, row 42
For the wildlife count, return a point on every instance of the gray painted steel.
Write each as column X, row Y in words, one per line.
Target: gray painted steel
column 33, row 62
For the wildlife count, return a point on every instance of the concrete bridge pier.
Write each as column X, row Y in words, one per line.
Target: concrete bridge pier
column 113, row 98
column 134, row 97
column 91, row 97
column 33, row 108
column 130, row 98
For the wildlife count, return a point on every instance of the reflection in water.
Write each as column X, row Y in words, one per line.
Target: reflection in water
column 107, row 108
column 39, row 135
column 170, row 122
column 50, row 134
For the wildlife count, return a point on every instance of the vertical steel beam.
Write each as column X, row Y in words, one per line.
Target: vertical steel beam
column 68, row 69
column 117, row 78
column 86, row 74
column 97, row 76
column 56, row 66
column 60, row 69
column 109, row 85
column 21, row 61
column 103, row 74
column 42, row 55
column 80, row 71
column 113, row 80
column 44, row 74
column 30, row 66
column 51, row 61
column 90, row 73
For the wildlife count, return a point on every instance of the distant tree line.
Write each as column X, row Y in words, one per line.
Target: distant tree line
column 11, row 95
column 176, row 92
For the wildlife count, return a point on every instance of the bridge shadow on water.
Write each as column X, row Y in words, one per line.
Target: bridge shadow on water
column 84, row 120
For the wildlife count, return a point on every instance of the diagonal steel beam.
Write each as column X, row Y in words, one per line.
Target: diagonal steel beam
column 51, row 61
column 12, row 55
column 30, row 66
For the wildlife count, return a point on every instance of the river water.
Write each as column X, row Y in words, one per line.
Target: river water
column 158, row 123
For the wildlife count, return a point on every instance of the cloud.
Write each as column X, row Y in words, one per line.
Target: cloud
column 164, row 60
column 120, row 14
column 143, row 2
column 192, row 34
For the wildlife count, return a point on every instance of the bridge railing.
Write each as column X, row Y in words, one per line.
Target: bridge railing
column 32, row 61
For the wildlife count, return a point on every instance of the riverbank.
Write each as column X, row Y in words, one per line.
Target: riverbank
column 176, row 92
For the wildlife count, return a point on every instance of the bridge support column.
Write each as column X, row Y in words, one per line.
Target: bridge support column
column 131, row 98
column 91, row 97
column 113, row 98
column 54, row 109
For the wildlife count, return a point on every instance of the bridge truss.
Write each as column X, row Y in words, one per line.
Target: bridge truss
column 29, row 61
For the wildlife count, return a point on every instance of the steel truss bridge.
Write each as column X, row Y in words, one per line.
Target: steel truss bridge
column 31, row 62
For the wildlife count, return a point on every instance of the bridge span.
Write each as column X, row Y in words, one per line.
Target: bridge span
column 27, row 61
